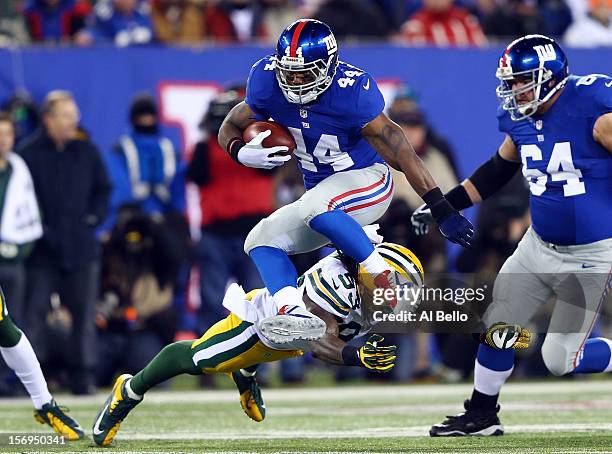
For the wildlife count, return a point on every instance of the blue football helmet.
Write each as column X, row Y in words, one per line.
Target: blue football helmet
column 538, row 62
column 306, row 60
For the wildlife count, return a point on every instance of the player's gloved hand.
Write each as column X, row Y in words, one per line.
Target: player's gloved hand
column 502, row 335
column 421, row 220
column 254, row 154
column 377, row 357
column 451, row 223
column 457, row 228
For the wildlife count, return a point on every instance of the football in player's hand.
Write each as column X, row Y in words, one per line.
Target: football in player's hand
column 280, row 135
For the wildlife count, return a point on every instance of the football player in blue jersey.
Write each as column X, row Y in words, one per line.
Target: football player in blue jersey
column 558, row 128
column 344, row 142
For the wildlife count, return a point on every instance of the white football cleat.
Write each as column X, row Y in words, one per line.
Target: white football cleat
column 290, row 324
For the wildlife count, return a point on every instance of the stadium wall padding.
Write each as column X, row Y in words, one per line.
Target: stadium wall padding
column 456, row 87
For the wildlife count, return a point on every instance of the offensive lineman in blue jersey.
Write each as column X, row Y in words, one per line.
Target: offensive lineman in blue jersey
column 559, row 128
column 334, row 112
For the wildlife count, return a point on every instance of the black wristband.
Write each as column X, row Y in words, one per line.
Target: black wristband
column 458, row 198
column 350, row 356
column 439, row 206
column 234, row 147
column 493, row 175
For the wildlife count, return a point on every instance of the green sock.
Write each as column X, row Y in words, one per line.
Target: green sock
column 174, row 359
column 9, row 333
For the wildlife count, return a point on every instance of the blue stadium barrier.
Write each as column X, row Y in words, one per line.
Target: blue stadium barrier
column 456, row 87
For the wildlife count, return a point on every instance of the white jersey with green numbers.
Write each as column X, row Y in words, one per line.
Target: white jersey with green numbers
column 331, row 287
column 328, row 284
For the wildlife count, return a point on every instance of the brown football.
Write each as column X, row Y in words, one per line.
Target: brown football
column 280, row 135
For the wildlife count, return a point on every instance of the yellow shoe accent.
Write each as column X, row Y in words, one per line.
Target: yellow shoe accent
column 117, row 396
column 116, row 408
column 111, row 435
column 250, row 407
column 61, row 428
column 55, row 417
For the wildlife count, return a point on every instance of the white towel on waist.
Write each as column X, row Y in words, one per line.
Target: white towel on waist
column 20, row 222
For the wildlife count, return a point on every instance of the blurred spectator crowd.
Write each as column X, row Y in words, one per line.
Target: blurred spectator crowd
column 581, row 23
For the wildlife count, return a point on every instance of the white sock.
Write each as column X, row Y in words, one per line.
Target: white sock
column 246, row 373
column 131, row 394
column 488, row 381
column 375, row 264
column 22, row 359
column 288, row 295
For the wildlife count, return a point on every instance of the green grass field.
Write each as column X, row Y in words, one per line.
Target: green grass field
column 552, row 417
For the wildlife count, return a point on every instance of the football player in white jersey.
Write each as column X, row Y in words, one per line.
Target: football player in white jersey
column 332, row 290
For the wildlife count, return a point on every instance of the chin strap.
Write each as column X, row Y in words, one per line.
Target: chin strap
column 558, row 87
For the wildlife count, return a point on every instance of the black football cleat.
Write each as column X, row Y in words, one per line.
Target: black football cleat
column 474, row 421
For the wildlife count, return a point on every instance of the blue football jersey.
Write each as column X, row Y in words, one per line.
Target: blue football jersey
column 569, row 173
column 328, row 131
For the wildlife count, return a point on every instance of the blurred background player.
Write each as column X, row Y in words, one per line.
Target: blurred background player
column 20, row 357
column 235, row 345
column 560, row 127
column 334, row 111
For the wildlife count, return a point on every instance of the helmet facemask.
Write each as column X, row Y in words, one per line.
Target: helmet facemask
column 317, row 75
column 538, row 82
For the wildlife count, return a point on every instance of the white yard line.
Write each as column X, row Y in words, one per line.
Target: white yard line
column 435, row 408
column 374, row 432
column 343, row 393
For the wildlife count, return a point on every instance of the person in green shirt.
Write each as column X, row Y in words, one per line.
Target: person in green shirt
column 13, row 251
column 19, row 227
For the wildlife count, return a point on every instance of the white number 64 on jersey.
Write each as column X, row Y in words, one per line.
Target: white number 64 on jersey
column 560, row 168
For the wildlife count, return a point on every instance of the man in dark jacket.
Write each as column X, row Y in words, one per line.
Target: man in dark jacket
column 72, row 186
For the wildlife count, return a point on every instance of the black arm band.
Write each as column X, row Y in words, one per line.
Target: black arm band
column 439, row 206
column 350, row 356
column 458, row 198
column 493, row 175
column 234, row 147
